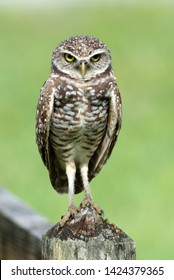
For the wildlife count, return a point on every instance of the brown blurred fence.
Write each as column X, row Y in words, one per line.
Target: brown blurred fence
column 21, row 229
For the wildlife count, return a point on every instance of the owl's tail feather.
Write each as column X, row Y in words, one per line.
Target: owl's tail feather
column 78, row 182
column 58, row 176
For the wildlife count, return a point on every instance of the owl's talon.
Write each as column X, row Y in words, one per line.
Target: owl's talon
column 89, row 202
column 72, row 211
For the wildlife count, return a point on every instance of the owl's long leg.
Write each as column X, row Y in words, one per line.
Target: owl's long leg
column 72, row 209
column 70, row 172
column 84, row 175
column 88, row 198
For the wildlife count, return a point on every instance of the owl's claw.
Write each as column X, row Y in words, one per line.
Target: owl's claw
column 72, row 210
column 88, row 201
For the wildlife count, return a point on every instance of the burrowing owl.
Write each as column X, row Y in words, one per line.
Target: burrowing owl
column 78, row 115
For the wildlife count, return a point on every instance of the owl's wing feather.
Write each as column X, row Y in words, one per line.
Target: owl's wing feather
column 43, row 120
column 43, row 117
column 108, row 141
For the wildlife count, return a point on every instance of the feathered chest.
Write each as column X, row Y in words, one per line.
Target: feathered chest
column 80, row 109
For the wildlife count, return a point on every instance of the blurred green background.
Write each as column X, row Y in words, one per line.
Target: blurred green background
column 136, row 187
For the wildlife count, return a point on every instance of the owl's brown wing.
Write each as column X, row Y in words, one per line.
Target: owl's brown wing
column 111, row 133
column 43, row 117
column 45, row 109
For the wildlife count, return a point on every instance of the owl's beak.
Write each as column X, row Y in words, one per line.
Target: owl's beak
column 83, row 68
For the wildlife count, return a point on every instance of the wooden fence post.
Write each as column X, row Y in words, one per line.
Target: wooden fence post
column 87, row 236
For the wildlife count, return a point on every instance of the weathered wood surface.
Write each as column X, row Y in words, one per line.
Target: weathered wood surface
column 21, row 229
column 87, row 236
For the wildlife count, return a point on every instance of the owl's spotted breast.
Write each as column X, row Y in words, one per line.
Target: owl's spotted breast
column 79, row 120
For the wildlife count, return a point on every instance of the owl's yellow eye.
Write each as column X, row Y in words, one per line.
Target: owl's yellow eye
column 69, row 58
column 96, row 57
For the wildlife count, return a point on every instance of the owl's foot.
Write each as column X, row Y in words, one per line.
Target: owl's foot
column 72, row 210
column 89, row 202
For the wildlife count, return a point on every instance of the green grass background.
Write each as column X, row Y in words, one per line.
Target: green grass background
column 136, row 187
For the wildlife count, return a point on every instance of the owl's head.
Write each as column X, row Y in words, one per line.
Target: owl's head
column 81, row 57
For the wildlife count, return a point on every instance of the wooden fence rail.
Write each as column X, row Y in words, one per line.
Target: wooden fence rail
column 21, row 229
